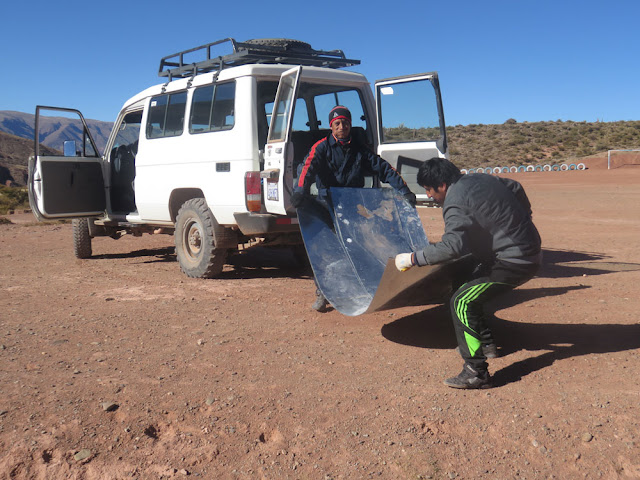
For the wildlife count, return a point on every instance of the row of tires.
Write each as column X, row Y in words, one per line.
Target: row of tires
column 526, row 168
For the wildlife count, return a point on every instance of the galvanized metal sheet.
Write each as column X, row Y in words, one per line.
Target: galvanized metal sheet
column 352, row 244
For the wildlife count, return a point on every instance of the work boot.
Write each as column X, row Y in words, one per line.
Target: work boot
column 321, row 304
column 490, row 350
column 470, row 378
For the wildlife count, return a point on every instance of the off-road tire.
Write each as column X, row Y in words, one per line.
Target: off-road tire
column 280, row 42
column 81, row 238
column 197, row 237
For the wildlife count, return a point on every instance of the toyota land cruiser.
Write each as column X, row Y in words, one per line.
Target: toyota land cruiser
column 210, row 155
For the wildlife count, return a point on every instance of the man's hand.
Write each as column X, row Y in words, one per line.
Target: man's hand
column 297, row 199
column 404, row 261
column 410, row 198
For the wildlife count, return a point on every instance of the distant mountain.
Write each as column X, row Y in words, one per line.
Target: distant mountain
column 53, row 130
column 14, row 157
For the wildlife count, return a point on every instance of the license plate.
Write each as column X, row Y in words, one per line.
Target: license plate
column 272, row 191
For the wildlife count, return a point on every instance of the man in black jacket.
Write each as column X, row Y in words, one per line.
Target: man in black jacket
column 339, row 160
column 490, row 218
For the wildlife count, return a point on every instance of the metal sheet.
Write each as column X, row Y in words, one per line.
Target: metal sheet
column 352, row 245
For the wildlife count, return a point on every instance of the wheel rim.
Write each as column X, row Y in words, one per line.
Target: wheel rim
column 192, row 241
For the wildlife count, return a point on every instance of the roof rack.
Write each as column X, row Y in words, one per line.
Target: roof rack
column 261, row 51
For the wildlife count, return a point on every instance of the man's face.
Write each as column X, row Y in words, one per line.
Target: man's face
column 438, row 194
column 341, row 127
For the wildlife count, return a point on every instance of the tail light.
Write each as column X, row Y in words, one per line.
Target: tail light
column 253, row 191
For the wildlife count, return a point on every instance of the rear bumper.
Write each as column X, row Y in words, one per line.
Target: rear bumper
column 251, row 223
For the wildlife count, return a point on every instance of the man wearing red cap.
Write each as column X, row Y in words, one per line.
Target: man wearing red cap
column 340, row 160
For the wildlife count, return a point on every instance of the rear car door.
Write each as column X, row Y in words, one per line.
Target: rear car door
column 411, row 127
column 277, row 175
column 66, row 180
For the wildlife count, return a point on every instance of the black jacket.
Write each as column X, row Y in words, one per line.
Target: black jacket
column 330, row 164
column 489, row 217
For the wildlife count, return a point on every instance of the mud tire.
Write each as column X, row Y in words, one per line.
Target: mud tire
column 201, row 243
column 81, row 238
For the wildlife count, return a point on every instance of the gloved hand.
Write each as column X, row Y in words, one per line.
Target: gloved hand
column 297, row 199
column 411, row 198
column 404, row 261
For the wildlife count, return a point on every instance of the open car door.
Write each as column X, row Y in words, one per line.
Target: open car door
column 278, row 157
column 65, row 180
column 411, row 127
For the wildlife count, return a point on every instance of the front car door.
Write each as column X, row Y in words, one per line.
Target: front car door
column 278, row 157
column 66, row 180
column 411, row 127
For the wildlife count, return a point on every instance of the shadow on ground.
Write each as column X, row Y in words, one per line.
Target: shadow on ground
column 432, row 328
column 570, row 263
column 254, row 262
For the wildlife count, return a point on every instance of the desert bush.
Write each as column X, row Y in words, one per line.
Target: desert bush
column 12, row 198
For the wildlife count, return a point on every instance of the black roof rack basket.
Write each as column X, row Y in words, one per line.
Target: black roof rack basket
column 259, row 51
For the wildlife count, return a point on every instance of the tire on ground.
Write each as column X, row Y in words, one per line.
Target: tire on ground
column 81, row 238
column 202, row 244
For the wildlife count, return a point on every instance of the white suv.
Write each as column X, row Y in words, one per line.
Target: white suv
column 211, row 154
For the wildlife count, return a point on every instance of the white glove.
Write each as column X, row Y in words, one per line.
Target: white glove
column 403, row 261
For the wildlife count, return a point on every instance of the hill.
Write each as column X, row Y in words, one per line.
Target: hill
column 514, row 143
column 510, row 143
column 52, row 128
column 14, row 156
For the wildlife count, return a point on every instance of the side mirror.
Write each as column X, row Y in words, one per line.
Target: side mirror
column 69, row 148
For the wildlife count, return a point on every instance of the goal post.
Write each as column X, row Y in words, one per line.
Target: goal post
column 620, row 158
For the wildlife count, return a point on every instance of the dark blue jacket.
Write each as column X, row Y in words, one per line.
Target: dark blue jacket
column 330, row 164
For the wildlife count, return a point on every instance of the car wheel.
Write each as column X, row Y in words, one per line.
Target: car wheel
column 81, row 238
column 197, row 237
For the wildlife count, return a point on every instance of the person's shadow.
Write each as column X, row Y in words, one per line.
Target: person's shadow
column 432, row 328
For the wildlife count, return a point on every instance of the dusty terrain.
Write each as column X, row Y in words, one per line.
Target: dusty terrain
column 120, row 366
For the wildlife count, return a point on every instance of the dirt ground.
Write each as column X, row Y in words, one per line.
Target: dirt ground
column 121, row 367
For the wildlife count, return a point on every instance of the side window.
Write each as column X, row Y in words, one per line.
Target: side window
column 166, row 115
column 213, row 108
column 201, row 109
column 128, row 132
column 157, row 113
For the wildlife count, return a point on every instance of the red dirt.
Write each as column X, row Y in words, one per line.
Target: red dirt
column 237, row 378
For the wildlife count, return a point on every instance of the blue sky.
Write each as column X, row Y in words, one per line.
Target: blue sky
column 529, row 60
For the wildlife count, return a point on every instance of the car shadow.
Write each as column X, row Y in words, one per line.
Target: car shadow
column 266, row 262
column 254, row 262
column 164, row 254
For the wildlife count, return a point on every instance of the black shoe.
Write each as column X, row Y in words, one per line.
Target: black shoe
column 489, row 351
column 469, row 378
column 321, row 304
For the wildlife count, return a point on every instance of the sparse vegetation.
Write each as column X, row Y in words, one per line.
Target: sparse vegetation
column 13, row 198
column 519, row 143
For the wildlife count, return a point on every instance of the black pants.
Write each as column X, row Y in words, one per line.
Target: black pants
column 467, row 306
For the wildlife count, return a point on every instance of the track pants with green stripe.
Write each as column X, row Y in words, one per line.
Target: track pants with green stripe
column 467, row 306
